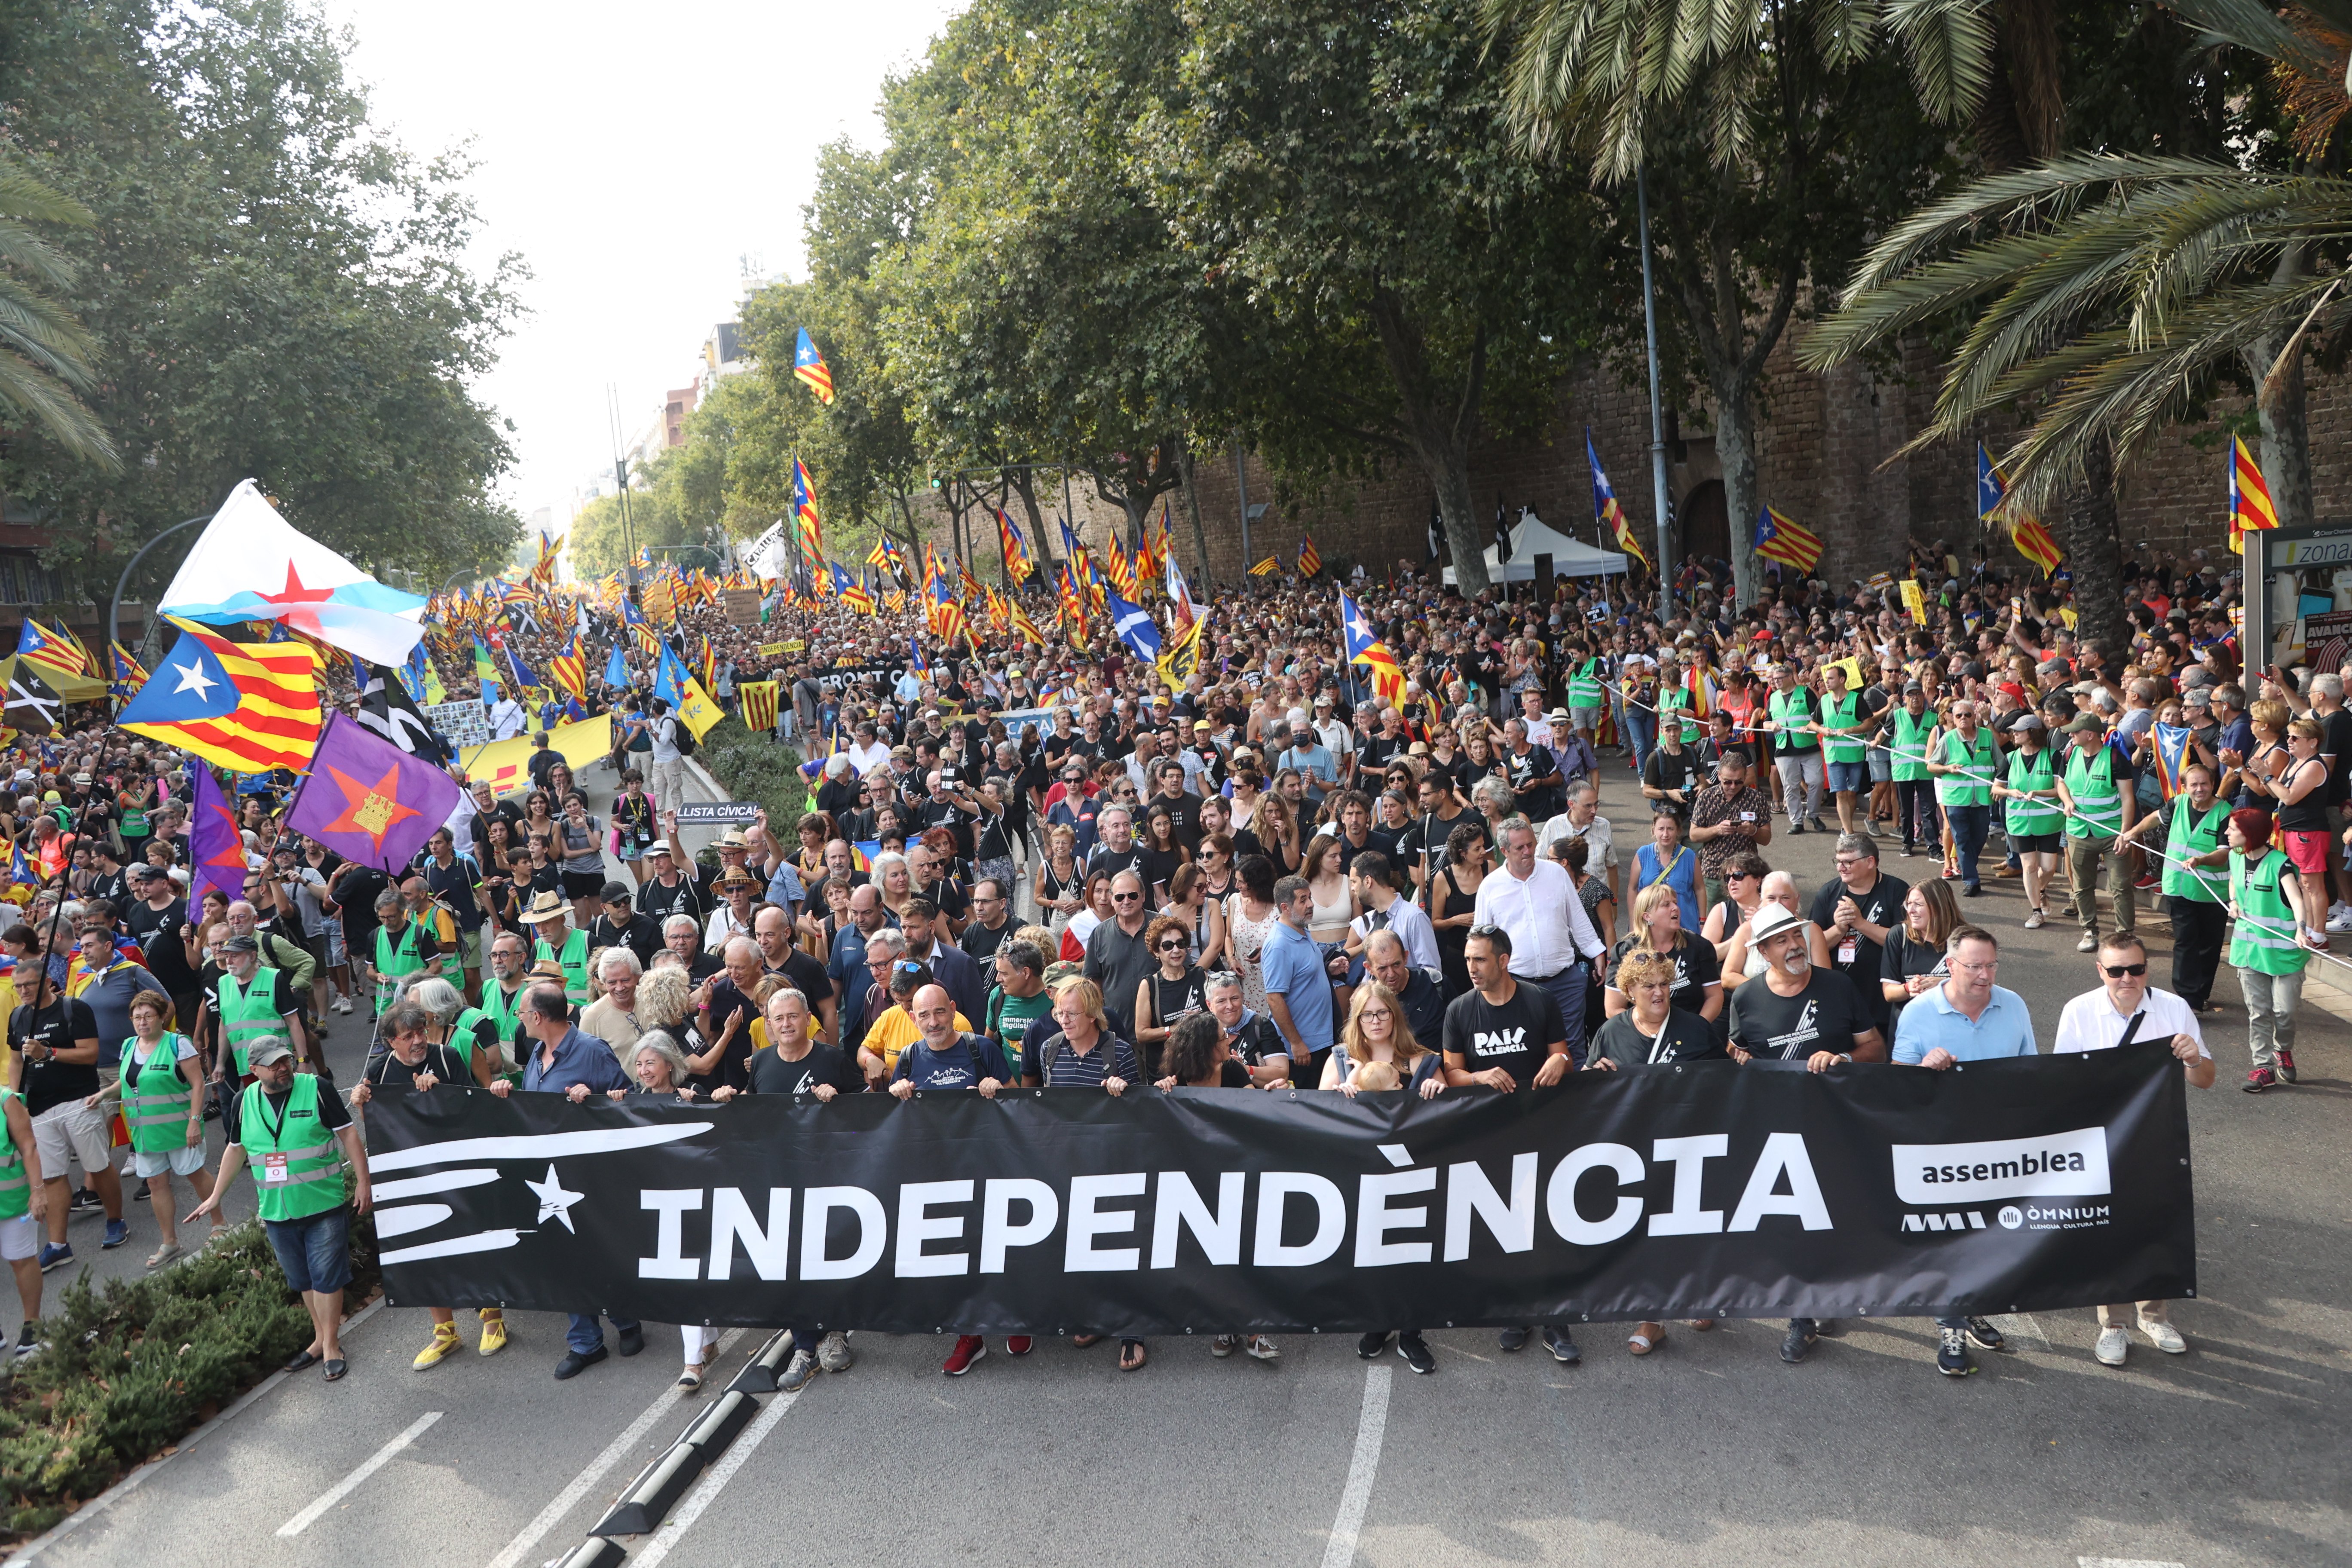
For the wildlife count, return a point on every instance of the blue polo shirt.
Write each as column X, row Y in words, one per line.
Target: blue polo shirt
column 1293, row 969
column 579, row 1059
column 1681, row 872
column 2004, row 1029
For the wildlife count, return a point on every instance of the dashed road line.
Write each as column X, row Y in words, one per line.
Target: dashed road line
column 712, row 1483
column 349, row 1484
column 1371, row 1426
column 666, row 1404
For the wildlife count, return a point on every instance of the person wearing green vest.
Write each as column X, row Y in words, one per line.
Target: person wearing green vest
column 23, row 1207
column 468, row 1032
column 2269, row 945
column 162, row 1096
column 1965, row 760
column 1588, row 698
column 1795, row 728
column 502, row 993
column 2194, row 880
column 2030, row 793
column 2096, row 787
column 402, row 947
column 546, row 915
column 1912, row 725
column 1847, row 726
column 249, row 1003
column 295, row 1133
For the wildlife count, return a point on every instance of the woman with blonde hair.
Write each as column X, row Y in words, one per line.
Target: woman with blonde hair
column 892, row 882
column 1277, row 832
column 1658, row 931
column 1377, row 1031
column 1913, row 960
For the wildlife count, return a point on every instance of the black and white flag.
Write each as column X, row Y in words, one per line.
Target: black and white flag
column 387, row 709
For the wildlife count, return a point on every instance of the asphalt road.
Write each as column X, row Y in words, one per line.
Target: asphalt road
column 1708, row 1452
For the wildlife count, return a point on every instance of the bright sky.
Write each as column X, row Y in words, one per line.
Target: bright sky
column 634, row 155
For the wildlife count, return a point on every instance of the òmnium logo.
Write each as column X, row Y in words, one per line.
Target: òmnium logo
column 2060, row 1164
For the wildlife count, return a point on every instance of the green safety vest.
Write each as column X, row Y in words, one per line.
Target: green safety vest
column 394, row 962
column 1981, row 759
column 1911, row 744
column 1845, row 712
column 2185, row 836
column 461, row 1032
column 575, row 960
column 249, row 1013
column 2098, row 814
column 506, row 1014
column 1584, row 685
column 1793, row 707
column 134, row 822
column 2033, row 771
column 2264, row 939
column 1677, row 699
column 15, row 1186
column 157, row 1099
column 307, row 1154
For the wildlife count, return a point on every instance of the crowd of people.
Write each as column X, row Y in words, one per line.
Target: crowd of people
column 1048, row 865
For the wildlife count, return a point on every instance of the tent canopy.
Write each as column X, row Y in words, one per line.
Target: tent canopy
column 1530, row 537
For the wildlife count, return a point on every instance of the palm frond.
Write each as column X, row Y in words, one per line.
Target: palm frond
column 1949, row 45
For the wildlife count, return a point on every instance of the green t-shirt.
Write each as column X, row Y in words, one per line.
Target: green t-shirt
column 1009, row 1018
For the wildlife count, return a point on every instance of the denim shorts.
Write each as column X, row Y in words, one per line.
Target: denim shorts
column 316, row 1251
column 1846, row 776
column 1882, row 766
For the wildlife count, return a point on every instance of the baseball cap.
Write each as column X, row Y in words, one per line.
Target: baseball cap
column 2086, row 724
column 240, row 944
column 268, row 1049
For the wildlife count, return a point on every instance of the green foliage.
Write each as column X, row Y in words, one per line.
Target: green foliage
column 273, row 289
column 45, row 355
column 757, row 767
column 130, row 1368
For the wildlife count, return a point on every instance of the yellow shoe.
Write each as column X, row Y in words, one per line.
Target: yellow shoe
column 444, row 1344
column 494, row 1333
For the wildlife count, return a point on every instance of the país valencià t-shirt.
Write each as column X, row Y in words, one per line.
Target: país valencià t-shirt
column 1686, row 1037
column 1825, row 1016
column 773, row 1074
column 1516, row 1036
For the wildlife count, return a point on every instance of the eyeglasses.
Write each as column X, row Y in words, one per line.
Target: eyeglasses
column 1376, row 1013
column 1177, row 944
column 2117, row 971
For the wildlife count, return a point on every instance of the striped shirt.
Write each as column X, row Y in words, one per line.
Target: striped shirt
column 1072, row 1069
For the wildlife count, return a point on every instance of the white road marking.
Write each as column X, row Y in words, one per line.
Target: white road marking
column 667, row 1404
column 1365, row 1464
column 709, row 1488
column 349, row 1484
column 2125, row 1562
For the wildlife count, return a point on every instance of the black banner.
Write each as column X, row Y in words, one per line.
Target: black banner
column 837, row 680
column 1699, row 1190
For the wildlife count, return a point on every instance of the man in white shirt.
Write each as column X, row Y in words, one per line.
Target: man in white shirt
column 1385, row 910
column 1552, row 939
column 506, row 718
column 1582, row 820
column 2127, row 1008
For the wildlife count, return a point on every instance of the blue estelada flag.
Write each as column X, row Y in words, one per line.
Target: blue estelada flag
column 19, row 870
column 617, row 668
column 1605, row 510
column 862, row 853
column 1135, row 628
column 915, row 659
column 1991, row 485
column 815, row 765
column 630, row 615
column 524, row 678
column 2172, row 757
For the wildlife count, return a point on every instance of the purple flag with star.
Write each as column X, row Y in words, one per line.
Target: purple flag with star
column 369, row 801
column 215, row 843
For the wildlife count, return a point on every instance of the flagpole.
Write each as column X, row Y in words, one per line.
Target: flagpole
column 114, row 605
column 1657, row 417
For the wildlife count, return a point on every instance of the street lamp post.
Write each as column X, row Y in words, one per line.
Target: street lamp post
column 114, row 606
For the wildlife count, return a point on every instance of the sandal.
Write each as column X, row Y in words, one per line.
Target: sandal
column 335, row 1369
column 1646, row 1338
column 1132, row 1355
column 690, row 1379
column 1082, row 1341
column 163, row 1255
column 302, row 1362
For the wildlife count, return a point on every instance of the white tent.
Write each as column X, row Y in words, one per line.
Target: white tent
column 1530, row 538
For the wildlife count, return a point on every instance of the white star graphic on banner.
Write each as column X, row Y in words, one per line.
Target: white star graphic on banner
column 554, row 1203
column 193, row 679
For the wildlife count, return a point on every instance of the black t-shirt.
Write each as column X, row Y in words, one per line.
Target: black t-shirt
column 355, row 894
column 389, row 1074
column 57, row 1027
column 771, row 1074
column 1695, row 969
column 1423, row 842
column 1686, row 1037
column 658, row 902
column 1516, row 1036
column 807, row 977
column 1111, row 862
column 980, row 942
column 2336, row 740
column 1825, row 1016
column 1157, row 866
column 634, row 931
column 334, row 1115
column 1882, row 906
column 142, row 923
column 1672, row 770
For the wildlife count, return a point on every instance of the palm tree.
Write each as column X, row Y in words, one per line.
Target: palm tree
column 2112, row 293
column 1757, row 89
column 45, row 355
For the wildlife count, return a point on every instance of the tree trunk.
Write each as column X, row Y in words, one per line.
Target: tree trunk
column 2095, row 554
column 1192, row 504
column 2280, row 404
column 1735, row 451
column 1439, row 438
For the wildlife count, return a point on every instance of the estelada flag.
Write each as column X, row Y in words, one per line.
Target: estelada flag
column 1310, row 559
column 759, row 701
column 247, row 706
column 1267, row 567
column 1605, row 509
column 2249, row 497
column 809, row 365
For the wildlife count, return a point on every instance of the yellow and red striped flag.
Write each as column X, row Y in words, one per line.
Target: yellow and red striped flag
column 2250, row 496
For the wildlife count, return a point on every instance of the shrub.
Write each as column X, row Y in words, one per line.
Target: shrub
column 759, row 768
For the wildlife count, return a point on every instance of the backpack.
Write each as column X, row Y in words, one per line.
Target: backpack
column 682, row 737
column 1108, row 1044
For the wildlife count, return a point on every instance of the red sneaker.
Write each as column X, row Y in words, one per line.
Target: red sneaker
column 2285, row 1064
column 2260, row 1080
column 1019, row 1344
column 968, row 1349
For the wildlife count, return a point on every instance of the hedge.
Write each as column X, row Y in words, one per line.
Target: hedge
column 756, row 766
column 130, row 1369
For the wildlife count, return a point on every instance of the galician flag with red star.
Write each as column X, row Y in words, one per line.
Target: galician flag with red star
column 369, row 801
column 250, row 564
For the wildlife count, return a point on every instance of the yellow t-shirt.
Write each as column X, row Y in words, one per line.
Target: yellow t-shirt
column 894, row 1031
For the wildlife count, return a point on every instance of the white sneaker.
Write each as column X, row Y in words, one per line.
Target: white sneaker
column 2034, row 920
column 2164, row 1337
column 2090, row 944
column 2113, row 1343
column 2339, row 919
column 342, row 1003
column 833, row 1352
